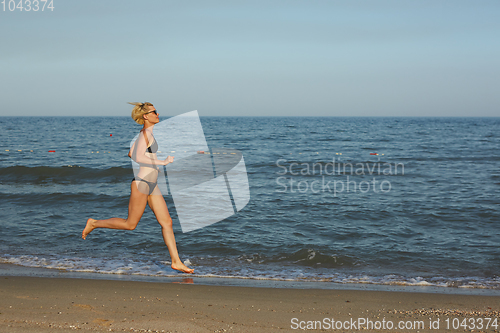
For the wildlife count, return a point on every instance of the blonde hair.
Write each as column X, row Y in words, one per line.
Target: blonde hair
column 139, row 110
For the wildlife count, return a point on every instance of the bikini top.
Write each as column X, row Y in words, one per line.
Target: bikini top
column 153, row 148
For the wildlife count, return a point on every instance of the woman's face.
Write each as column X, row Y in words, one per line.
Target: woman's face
column 152, row 117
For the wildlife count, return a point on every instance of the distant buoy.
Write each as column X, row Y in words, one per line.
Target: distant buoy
column 52, row 151
column 111, row 135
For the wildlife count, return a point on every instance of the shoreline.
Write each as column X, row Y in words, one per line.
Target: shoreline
column 40, row 305
column 13, row 270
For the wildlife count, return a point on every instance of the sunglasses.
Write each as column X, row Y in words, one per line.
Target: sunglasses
column 156, row 113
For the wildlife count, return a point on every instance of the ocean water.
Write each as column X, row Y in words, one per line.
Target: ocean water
column 387, row 201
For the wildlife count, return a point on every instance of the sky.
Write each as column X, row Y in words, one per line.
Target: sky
column 252, row 58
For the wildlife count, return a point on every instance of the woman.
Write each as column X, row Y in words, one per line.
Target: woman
column 144, row 188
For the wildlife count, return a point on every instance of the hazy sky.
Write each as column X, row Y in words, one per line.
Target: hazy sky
column 245, row 58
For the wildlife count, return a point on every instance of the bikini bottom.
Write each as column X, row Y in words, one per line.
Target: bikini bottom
column 152, row 185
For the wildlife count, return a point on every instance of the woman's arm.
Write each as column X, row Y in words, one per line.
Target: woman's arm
column 131, row 150
column 138, row 152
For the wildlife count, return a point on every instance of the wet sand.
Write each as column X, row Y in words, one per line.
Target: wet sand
column 37, row 304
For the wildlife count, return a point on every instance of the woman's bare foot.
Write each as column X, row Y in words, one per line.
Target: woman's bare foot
column 182, row 268
column 88, row 228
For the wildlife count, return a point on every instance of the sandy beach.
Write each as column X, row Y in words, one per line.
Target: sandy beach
column 37, row 304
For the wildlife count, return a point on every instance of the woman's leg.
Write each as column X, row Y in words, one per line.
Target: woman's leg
column 136, row 206
column 159, row 208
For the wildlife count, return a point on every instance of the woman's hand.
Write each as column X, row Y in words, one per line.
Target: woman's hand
column 169, row 160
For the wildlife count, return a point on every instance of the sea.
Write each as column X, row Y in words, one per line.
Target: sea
column 334, row 201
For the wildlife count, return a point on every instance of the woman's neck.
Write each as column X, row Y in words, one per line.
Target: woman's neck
column 147, row 125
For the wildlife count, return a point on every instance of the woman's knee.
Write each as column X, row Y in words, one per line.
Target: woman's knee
column 131, row 225
column 166, row 222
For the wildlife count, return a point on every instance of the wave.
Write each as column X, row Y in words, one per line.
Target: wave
column 63, row 174
column 161, row 268
column 305, row 257
column 58, row 198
